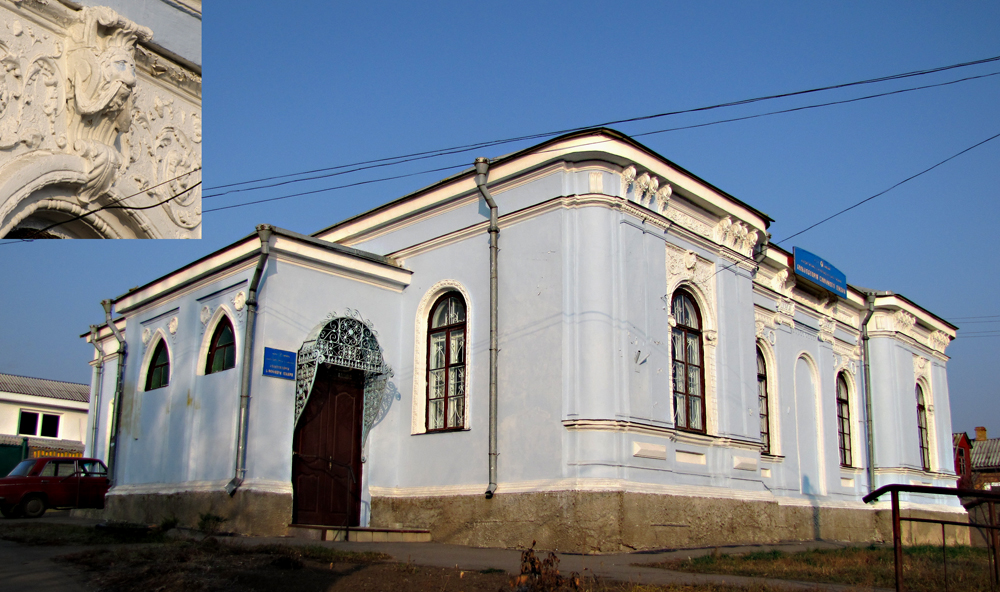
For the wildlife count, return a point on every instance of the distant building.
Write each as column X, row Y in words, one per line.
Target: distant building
column 664, row 377
column 963, row 459
column 985, row 460
column 100, row 108
column 49, row 414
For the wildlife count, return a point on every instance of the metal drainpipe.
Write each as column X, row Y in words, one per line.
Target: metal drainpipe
column 264, row 232
column 870, row 299
column 98, row 387
column 119, row 386
column 482, row 169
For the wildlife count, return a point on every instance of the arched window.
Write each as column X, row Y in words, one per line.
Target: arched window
column 446, row 364
column 222, row 348
column 689, row 383
column 925, row 453
column 844, row 421
column 158, row 374
column 765, row 421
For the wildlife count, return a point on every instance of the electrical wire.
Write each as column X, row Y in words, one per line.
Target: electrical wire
column 686, row 127
column 730, row 120
column 115, row 205
column 477, row 145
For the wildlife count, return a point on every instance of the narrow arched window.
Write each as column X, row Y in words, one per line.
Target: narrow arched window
column 843, row 421
column 222, row 348
column 688, row 370
column 765, row 420
column 925, row 454
column 446, row 364
column 158, row 374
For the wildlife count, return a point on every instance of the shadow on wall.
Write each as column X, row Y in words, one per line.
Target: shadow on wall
column 807, row 490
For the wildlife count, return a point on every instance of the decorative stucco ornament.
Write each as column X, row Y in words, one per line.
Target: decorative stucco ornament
column 735, row 235
column 146, row 336
column 663, row 197
column 206, row 314
column 172, row 325
column 628, row 177
column 240, row 300
column 102, row 78
column 938, row 341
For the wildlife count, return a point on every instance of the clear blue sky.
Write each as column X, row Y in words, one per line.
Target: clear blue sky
column 303, row 85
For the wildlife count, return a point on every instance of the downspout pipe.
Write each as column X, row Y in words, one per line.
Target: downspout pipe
column 870, row 296
column 264, row 231
column 95, row 396
column 482, row 171
column 119, row 386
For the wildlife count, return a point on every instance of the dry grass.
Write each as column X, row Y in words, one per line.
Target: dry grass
column 923, row 567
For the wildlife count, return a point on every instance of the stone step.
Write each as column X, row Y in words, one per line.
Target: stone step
column 357, row 534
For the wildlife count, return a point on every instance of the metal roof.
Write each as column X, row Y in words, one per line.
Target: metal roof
column 43, row 387
column 985, row 454
column 44, row 443
column 956, row 439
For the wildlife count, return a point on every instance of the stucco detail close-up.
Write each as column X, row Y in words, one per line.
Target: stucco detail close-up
column 100, row 136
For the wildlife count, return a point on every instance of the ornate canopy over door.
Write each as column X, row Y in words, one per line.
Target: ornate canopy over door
column 349, row 341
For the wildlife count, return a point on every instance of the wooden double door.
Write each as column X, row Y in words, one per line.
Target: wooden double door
column 326, row 461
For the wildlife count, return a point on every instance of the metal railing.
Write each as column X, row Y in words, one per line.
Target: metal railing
column 970, row 499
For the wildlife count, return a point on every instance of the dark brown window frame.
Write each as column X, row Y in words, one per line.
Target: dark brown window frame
column 844, row 421
column 763, row 401
column 447, row 331
column 153, row 366
column 214, row 348
column 922, row 433
column 686, row 332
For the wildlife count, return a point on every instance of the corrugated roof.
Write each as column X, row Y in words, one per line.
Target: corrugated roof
column 985, row 454
column 43, row 387
column 45, row 443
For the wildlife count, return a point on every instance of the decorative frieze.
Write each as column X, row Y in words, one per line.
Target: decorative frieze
column 70, row 87
column 647, row 190
column 735, row 235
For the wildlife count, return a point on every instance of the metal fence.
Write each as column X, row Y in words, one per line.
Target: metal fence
column 981, row 506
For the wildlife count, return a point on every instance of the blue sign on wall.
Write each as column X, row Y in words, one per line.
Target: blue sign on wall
column 279, row 363
column 819, row 272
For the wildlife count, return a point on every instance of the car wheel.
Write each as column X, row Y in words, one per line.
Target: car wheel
column 9, row 511
column 32, row 506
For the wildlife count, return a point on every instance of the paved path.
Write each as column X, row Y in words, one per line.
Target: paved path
column 624, row 567
column 28, row 568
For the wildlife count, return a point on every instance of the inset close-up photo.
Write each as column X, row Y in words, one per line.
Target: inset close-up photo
column 100, row 119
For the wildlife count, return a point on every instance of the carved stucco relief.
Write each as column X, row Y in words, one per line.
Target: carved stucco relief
column 697, row 275
column 75, row 112
column 903, row 322
column 647, row 190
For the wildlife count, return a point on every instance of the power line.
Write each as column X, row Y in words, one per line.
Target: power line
column 979, row 317
column 115, row 205
column 477, row 145
column 867, row 199
column 693, row 126
column 778, row 112
column 259, row 201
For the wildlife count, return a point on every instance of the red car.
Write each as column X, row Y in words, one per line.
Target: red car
column 36, row 484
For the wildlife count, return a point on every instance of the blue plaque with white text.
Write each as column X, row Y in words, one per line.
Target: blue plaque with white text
column 819, row 271
column 279, row 363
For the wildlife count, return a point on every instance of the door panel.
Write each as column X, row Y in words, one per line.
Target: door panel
column 326, row 467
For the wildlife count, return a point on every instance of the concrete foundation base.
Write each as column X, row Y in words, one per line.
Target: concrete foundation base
column 248, row 512
column 612, row 522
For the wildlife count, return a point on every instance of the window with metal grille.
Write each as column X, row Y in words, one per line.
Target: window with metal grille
column 765, row 420
column 925, row 453
column 158, row 374
column 688, row 370
column 446, row 364
column 222, row 348
column 843, row 421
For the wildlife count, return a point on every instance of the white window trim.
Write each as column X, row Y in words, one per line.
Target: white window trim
column 206, row 340
column 932, row 449
column 38, row 425
column 418, row 420
column 852, row 407
column 147, row 358
column 773, row 408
